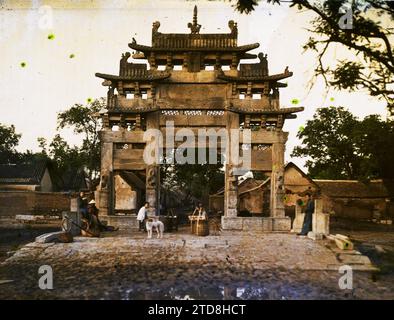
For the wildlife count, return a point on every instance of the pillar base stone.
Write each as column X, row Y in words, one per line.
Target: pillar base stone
column 265, row 224
column 127, row 223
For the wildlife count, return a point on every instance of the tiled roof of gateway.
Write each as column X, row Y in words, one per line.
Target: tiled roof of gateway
column 26, row 173
column 194, row 41
column 352, row 188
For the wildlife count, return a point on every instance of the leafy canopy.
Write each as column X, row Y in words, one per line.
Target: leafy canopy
column 338, row 145
column 366, row 32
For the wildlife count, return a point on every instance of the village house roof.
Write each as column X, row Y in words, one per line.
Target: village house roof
column 352, row 188
column 72, row 180
column 26, row 173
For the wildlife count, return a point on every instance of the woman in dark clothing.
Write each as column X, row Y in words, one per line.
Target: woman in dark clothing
column 310, row 209
column 82, row 202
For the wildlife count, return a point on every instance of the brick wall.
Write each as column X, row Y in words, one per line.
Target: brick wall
column 27, row 202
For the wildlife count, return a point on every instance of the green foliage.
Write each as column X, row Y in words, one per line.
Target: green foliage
column 193, row 180
column 337, row 145
column 9, row 139
column 83, row 120
column 369, row 38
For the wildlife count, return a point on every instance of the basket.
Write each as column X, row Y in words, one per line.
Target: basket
column 198, row 225
column 202, row 228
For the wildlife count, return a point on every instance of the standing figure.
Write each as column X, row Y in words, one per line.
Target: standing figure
column 200, row 212
column 82, row 202
column 141, row 216
column 310, row 209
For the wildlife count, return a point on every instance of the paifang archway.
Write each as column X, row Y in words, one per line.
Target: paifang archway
column 196, row 81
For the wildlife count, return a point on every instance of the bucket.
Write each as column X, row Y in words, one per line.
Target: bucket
column 201, row 228
column 170, row 223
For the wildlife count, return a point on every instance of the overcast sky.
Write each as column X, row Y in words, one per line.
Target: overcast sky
column 97, row 32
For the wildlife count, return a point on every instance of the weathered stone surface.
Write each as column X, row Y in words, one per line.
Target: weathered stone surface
column 354, row 259
column 127, row 222
column 60, row 236
column 343, row 244
column 112, row 267
column 315, row 236
column 298, row 222
column 231, row 223
column 74, row 204
column 252, row 224
column 321, row 223
column 267, row 224
column 29, row 217
column 281, row 224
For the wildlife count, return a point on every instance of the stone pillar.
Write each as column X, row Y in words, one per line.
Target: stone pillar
column 230, row 193
column 320, row 220
column 104, row 199
column 277, row 180
column 152, row 186
column 230, row 219
column 153, row 171
column 230, row 179
column 279, row 221
column 299, row 219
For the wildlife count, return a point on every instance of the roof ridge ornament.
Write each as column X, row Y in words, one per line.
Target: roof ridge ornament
column 155, row 27
column 233, row 27
column 194, row 27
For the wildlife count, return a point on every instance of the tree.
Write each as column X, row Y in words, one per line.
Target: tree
column 193, row 180
column 83, row 120
column 9, row 139
column 358, row 26
column 340, row 146
column 63, row 155
column 375, row 139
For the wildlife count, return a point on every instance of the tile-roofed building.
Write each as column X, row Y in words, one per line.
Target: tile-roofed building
column 33, row 176
column 343, row 198
column 352, row 189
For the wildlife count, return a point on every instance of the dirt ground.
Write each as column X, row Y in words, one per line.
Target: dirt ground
column 232, row 265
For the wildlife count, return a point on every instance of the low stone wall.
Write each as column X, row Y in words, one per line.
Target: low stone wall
column 128, row 222
column 264, row 224
column 28, row 202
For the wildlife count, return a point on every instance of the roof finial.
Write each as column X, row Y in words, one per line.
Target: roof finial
column 194, row 27
column 195, row 15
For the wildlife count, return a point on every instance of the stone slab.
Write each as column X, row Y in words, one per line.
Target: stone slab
column 281, row 224
column 128, row 222
column 232, row 223
column 59, row 236
column 252, row 224
column 354, row 259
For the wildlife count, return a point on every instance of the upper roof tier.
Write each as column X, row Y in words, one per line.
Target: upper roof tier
column 194, row 41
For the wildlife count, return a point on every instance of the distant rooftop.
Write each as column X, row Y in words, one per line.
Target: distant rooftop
column 26, row 173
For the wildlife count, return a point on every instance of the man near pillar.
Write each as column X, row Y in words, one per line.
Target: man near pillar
column 310, row 209
column 141, row 216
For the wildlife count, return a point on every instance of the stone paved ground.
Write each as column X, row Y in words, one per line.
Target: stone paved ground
column 232, row 265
